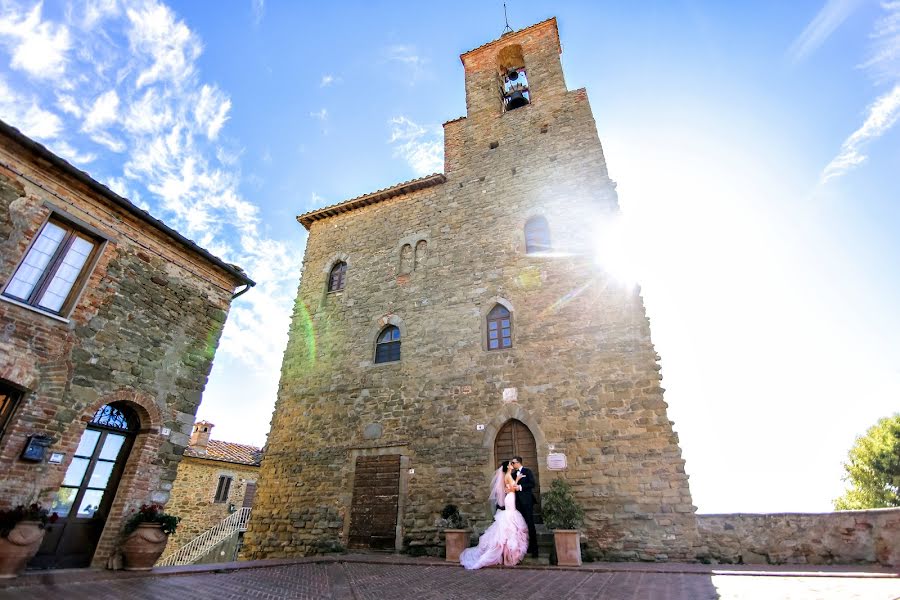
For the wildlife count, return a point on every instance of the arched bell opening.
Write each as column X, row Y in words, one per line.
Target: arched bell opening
column 89, row 487
column 513, row 78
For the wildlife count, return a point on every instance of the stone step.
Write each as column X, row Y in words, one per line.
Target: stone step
column 541, row 561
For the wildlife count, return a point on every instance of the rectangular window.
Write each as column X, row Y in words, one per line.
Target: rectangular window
column 223, row 489
column 54, row 269
column 9, row 401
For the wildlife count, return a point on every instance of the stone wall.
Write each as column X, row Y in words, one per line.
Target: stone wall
column 143, row 332
column 583, row 367
column 194, row 493
column 844, row 537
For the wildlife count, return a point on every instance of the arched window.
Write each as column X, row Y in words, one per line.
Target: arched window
column 499, row 328
column 421, row 249
column 337, row 276
column 406, row 259
column 387, row 347
column 537, row 235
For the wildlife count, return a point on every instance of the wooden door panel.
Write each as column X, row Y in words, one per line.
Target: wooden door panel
column 515, row 439
column 376, row 493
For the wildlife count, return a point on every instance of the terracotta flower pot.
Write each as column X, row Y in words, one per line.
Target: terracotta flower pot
column 144, row 547
column 456, row 541
column 568, row 547
column 18, row 547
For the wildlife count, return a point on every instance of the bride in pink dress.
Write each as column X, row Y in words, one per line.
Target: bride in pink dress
column 505, row 542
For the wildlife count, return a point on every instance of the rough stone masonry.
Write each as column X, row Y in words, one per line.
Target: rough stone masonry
column 432, row 257
column 141, row 331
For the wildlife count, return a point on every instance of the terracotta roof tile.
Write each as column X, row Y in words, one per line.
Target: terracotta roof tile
column 227, row 452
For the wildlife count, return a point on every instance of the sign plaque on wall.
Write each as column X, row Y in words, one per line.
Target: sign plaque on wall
column 556, row 461
column 510, row 394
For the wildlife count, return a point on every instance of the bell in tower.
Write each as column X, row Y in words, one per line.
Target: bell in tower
column 513, row 79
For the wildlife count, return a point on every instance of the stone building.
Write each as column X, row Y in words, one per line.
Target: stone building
column 447, row 323
column 216, row 480
column 109, row 321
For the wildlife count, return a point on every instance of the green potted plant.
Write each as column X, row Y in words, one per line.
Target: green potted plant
column 147, row 531
column 456, row 536
column 564, row 516
column 22, row 530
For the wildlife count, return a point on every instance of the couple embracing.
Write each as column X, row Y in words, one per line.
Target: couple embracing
column 512, row 533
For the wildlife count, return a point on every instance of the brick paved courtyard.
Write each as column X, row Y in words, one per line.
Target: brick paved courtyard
column 361, row 580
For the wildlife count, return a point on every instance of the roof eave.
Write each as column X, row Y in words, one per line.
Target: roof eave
column 82, row 177
column 307, row 219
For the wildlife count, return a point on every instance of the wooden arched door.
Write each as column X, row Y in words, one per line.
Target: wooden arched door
column 88, row 489
column 515, row 439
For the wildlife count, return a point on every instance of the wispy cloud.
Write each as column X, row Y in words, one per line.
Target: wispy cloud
column 164, row 47
column 327, row 80
column 104, row 111
column 829, row 18
column 884, row 112
column 38, row 47
column 123, row 75
column 884, row 62
column 421, row 147
column 321, row 115
column 258, row 8
column 24, row 111
column 408, row 56
column 883, row 115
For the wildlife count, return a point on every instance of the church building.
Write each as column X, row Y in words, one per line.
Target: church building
column 447, row 323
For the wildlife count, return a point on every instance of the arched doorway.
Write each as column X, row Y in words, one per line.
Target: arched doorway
column 88, row 489
column 515, row 439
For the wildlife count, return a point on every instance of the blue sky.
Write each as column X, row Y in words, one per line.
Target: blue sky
column 755, row 148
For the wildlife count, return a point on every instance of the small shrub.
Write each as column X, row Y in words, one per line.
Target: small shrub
column 152, row 513
column 11, row 517
column 559, row 507
column 451, row 518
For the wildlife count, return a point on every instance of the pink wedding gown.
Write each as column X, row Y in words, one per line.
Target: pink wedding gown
column 505, row 541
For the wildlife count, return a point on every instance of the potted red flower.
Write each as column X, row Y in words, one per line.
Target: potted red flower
column 147, row 531
column 22, row 530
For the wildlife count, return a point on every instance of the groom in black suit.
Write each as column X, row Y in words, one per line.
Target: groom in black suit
column 525, row 500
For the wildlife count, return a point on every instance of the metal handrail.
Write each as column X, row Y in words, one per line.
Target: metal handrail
column 206, row 541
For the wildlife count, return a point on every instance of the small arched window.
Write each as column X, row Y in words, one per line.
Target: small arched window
column 387, row 347
column 337, row 277
column 406, row 259
column 499, row 328
column 537, row 235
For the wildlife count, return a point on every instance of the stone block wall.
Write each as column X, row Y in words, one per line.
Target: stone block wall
column 143, row 332
column 582, row 364
column 844, row 537
column 193, row 496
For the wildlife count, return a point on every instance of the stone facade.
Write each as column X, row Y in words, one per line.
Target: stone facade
column 194, row 493
column 142, row 332
column 582, row 373
column 844, row 537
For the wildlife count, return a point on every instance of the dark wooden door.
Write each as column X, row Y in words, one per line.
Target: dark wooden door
column 87, row 492
column 376, row 492
column 249, row 494
column 515, row 439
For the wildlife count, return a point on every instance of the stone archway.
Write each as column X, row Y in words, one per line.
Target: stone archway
column 514, row 438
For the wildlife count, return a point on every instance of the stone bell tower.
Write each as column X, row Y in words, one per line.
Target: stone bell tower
column 450, row 322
